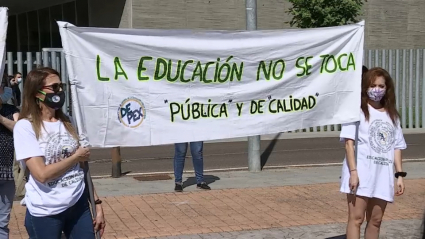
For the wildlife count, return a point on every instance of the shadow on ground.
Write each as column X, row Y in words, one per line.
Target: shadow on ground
column 338, row 237
column 207, row 178
column 268, row 151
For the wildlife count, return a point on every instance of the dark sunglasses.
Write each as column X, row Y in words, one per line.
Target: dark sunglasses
column 56, row 87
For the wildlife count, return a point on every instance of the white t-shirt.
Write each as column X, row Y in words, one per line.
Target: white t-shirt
column 54, row 144
column 378, row 138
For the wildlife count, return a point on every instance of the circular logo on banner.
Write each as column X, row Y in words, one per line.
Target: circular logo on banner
column 381, row 136
column 131, row 112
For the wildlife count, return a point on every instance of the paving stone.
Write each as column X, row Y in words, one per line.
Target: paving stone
column 286, row 211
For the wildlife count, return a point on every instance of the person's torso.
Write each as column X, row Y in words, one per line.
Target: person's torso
column 377, row 138
column 56, row 195
column 6, row 144
column 375, row 161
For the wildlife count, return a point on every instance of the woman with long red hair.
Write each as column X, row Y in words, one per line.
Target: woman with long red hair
column 369, row 182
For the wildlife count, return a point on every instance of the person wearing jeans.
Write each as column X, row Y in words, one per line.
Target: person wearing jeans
column 7, row 192
column 196, row 149
column 47, row 144
column 9, row 114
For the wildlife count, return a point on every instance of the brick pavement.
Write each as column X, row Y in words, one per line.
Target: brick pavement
column 405, row 228
column 230, row 210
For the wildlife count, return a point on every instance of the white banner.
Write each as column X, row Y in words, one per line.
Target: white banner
column 151, row 87
column 3, row 33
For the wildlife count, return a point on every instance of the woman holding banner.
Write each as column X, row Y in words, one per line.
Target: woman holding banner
column 369, row 180
column 48, row 144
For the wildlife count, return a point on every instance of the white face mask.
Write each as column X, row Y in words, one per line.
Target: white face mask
column 19, row 80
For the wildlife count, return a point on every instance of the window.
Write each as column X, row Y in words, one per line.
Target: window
column 33, row 34
column 12, row 35
column 37, row 29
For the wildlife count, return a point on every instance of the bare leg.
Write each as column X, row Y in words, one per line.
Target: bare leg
column 357, row 206
column 374, row 213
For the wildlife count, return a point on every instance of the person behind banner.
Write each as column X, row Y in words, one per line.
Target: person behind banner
column 4, row 78
column 8, row 91
column 15, row 82
column 19, row 174
column 369, row 184
column 46, row 142
column 196, row 149
column 8, row 116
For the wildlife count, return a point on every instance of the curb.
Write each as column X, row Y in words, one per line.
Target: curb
column 266, row 168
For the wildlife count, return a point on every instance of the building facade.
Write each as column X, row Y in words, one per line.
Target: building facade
column 390, row 24
column 33, row 26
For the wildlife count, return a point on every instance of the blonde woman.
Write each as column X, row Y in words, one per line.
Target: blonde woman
column 47, row 143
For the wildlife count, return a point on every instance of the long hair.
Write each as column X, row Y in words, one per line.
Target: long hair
column 364, row 70
column 31, row 109
column 388, row 101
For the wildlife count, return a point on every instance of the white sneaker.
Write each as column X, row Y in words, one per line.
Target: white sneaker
column 23, row 202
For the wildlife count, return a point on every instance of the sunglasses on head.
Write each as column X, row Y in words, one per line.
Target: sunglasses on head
column 56, row 87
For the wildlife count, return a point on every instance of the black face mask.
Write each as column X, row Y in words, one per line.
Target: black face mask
column 54, row 100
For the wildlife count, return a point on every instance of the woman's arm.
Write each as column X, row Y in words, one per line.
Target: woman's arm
column 9, row 124
column 349, row 151
column 99, row 221
column 351, row 162
column 399, row 145
column 96, row 197
column 398, row 161
column 28, row 149
column 44, row 173
column 398, row 168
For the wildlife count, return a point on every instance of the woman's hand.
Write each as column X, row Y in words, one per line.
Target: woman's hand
column 400, row 186
column 99, row 222
column 354, row 181
column 82, row 154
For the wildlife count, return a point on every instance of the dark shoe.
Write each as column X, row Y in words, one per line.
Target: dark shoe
column 178, row 187
column 203, row 186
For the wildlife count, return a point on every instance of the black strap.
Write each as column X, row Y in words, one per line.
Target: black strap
column 400, row 174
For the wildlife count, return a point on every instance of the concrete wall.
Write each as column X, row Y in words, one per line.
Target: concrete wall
column 106, row 13
column 390, row 24
column 189, row 14
column 126, row 17
column 395, row 24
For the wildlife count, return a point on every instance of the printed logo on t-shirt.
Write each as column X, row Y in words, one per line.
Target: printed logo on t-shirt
column 67, row 180
column 381, row 136
column 60, row 146
column 380, row 160
column 66, row 151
